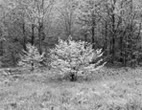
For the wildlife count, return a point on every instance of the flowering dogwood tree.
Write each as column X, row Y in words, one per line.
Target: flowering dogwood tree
column 74, row 58
column 31, row 58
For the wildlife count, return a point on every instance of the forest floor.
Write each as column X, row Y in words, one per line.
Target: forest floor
column 107, row 89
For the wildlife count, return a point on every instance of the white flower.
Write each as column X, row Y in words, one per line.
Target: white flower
column 72, row 56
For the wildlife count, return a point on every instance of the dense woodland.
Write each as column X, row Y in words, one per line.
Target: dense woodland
column 113, row 25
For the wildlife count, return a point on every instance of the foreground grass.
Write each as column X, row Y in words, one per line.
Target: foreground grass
column 107, row 89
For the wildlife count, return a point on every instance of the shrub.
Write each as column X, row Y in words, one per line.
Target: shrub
column 75, row 58
column 31, row 58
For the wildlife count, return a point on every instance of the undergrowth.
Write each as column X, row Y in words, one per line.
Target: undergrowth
column 117, row 89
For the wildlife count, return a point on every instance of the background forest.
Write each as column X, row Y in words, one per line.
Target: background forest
column 113, row 25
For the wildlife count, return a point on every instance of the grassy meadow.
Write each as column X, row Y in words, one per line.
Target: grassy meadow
column 107, row 89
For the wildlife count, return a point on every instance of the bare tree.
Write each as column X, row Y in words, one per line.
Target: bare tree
column 67, row 15
column 89, row 17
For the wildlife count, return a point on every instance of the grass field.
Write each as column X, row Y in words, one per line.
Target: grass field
column 107, row 89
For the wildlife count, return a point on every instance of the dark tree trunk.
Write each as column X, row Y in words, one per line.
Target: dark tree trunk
column 105, row 46
column 32, row 66
column 73, row 77
column 93, row 32
column 13, row 59
column 125, row 51
column 93, row 39
column 33, row 36
column 85, row 37
column 41, row 27
column 113, row 38
column 40, row 39
column 1, row 48
column 24, row 38
column 121, row 49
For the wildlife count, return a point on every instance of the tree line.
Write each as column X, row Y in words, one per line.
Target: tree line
column 113, row 25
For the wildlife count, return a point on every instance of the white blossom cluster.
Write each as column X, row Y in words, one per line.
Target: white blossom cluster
column 31, row 57
column 75, row 57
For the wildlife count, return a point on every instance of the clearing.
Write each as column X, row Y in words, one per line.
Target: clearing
column 109, row 89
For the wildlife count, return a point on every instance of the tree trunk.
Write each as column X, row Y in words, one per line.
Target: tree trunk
column 73, row 77
column 32, row 66
column 113, row 38
column 1, row 48
column 24, row 38
column 125, row 50
column 85, row 37
column 40, row 39
column 93, row 32
column 105, row 46
column 33, row 36
column 13, row 59
column 121, row 49
column 41, row 26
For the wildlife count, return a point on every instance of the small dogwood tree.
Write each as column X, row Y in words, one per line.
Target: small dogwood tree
column 31, row 58
column 74, row 58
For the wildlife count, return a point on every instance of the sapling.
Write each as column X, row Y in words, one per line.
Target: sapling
column 74, row 58
column 31, row 58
